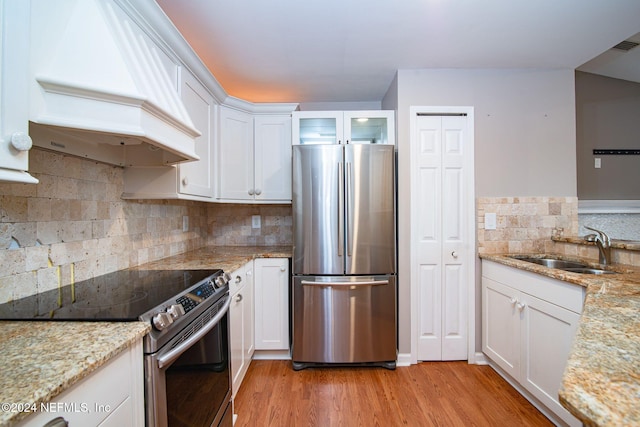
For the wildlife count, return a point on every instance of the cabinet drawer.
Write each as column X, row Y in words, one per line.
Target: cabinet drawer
column 238, row 280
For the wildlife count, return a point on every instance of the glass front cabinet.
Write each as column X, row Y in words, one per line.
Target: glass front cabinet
column 343, row 127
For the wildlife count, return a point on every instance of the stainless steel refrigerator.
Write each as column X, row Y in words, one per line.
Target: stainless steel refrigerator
column 344, row 262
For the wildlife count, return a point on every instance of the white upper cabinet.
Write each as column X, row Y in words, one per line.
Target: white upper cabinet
column 343, row 127
column 272, row 160
column 235, row 155
column 15, row 142
column 188, row 180
column 254, row 157
column 196, row 178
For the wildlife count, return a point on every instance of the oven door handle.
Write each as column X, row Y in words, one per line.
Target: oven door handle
column 172, row 355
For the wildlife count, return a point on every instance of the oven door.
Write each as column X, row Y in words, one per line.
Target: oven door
column 187, row 382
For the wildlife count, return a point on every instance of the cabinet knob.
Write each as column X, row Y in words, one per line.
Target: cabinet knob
column 21, row 141
column 521, row 306
column 57, row 422
column 185, row 181
column 238, row 297
column 249, row 273
column 513, row 301
column 454, row 254
column 258, row 191
column 238, row 279
column 251, row 191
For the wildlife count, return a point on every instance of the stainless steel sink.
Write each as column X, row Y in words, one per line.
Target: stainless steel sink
column 560, row 264
column 588, row 270
column 553, row 263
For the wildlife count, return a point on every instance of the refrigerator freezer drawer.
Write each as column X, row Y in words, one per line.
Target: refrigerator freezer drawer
column 344, row 320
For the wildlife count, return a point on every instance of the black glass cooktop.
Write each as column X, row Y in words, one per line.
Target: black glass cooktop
column 119, row 296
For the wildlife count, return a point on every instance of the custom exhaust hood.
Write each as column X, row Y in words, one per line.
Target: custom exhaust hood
column 104, row 87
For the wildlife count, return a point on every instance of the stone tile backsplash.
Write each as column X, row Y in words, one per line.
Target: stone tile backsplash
column 525, row 224
column 230, row 225
column 73, row 225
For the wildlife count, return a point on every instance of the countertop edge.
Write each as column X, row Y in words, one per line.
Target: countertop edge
column 88, row 356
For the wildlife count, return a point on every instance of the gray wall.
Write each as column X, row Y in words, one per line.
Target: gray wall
column 524, row 141
column 607, row 116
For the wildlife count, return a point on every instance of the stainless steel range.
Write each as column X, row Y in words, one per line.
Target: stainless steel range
column 186, row 354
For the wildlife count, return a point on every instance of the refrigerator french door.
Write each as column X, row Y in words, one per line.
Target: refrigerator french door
column 344, row 265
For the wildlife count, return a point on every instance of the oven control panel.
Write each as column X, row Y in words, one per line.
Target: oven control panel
column 190, row 300
column 187, row 302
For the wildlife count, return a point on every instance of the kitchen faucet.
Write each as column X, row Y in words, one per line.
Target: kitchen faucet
column 603, row 243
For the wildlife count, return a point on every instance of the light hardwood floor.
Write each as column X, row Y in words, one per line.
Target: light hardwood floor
column 427, row 394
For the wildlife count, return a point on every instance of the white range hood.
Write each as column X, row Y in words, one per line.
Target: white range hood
column 104, row 87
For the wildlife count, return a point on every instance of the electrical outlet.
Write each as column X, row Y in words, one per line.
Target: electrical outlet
column 255, row 221
column 185, row 223
column 490, row 221
column 598, row 163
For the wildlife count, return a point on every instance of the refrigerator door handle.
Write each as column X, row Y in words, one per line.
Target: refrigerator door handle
column 340, row 209
column 349, row 210
column 346, row 284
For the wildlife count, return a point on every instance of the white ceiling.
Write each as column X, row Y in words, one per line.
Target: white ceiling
column 349, row 50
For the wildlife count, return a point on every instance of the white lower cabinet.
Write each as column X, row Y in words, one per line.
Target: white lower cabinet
column 111, row 396
column 528, row 325
column 272, row 303
column 241, row 336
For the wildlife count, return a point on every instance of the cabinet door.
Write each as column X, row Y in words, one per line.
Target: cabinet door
column 235, row 155
column 111, row 396
column 369, row 127
column 272, row 145
column 317, row 127
column 547, row 333
column 14, row 91
column 501, row 325
column 197, row 177
column 272, row 303
column 236, row 330
column 248, row 321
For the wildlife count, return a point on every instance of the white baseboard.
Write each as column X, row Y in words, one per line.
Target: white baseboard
column 271, row 355
column 404, row 359
column 480, row 359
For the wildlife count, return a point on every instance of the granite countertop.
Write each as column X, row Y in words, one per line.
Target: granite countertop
column 601, row 382
column 42, row 359
column 227, row 258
